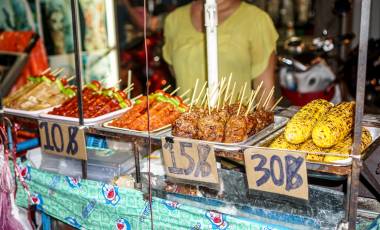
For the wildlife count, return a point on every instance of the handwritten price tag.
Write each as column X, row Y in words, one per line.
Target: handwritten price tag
column 277, row 171
column 189, row 160
column 62, row 139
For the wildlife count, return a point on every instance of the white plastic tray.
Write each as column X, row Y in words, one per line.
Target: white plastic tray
column 87, row 121
column 32, row 114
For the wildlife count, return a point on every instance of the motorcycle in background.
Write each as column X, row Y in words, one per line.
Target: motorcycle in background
column 305, row 71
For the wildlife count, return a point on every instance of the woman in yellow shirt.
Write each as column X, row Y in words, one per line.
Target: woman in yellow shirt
column 246, row 44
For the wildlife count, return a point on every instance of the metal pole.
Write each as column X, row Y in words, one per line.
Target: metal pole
column 78, row 67
column 359, row 110
column 211, row 22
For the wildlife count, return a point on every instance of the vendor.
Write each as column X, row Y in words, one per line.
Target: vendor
column 246, row 44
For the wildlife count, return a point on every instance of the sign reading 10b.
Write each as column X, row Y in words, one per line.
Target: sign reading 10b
column 62, row 139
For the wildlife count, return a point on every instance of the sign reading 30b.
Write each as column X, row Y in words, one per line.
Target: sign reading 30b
column 277, row 171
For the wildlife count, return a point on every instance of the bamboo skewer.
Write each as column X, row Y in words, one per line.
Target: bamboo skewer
column 257, row 92
column 261, row 98
column 129, row 81
column 241, row 99
column 200, row 94
column 227, row 89
column 166, row 88
column 204, row 98
column 137, row 97
column 174, row 91
column 250, row 102
column 128, row 90
column 186, row 100
column 215, row 90
column 208, row 103
column 185, row 93
column 70, row 78
column 129, row 87
column 57, row 71
column 223, row 87
column 275, row 104
column 232, row 93
column 268, row 98
column 192, row 98
column 45, row 71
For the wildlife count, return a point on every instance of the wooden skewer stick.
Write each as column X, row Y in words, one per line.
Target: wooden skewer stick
column 261, row 98
column 227, row 89
column 275, row 104
column 128, row 90
column 128, row 87
column 52, row 72
column 208, row 103
column 137, row 97
column 174, row 91
column 129, row 81
column 257, row 93
column 70, row 78
column 200, row 94
column 57, row 71
column 232, row 93
column 228, row 98
column 194, row 92
column 223, row 87
column 186, row 100
column 204, row 98
column 215, row 90
column 250, row 102
column 45, row 71
column 268, row 98
column 242, row 96
column 166, row 88
column 185, row 93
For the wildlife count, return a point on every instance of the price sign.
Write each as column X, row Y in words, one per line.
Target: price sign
column 63, row 139
column 277, row 171
column 189, row 160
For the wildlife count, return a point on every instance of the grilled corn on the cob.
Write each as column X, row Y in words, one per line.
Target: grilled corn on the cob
column 334, row 126
column 281, row 143
column 299, row 128
column 344, row 147
column 309, row 147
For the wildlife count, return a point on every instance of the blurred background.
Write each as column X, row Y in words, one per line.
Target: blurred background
column 317, row 49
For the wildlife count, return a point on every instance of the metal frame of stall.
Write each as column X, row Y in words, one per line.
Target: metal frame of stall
column 352, row 172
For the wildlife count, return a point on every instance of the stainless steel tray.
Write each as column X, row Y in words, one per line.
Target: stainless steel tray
column 279, row 122
column 375, row 133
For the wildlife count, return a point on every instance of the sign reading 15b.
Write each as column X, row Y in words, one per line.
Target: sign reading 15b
column 189, row 160
column 277, row 171
column 62, row 139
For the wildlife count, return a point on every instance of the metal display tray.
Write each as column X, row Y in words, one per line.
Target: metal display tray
column 163, row 129
column 375, row 133
column 278, row 123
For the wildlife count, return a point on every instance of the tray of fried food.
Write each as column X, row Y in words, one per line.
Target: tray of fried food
column 324, row 131
column 39, row 94
column 99, row 104
column 230, row 123
column 163, row 109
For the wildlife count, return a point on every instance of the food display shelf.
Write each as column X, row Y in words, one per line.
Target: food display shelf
column 279, row 122
column 123, row 133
